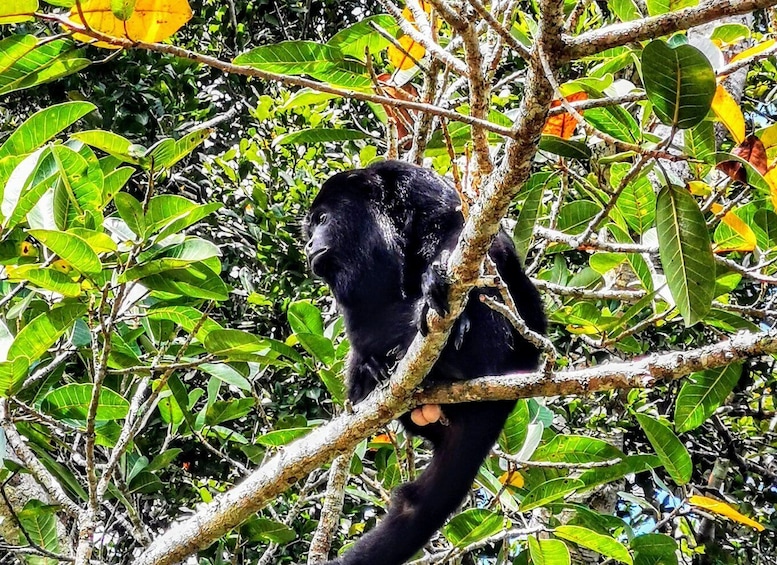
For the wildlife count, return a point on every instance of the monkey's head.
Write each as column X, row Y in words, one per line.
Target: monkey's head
column 371, row 230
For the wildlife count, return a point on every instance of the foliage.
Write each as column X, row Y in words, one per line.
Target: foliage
column 160, row 336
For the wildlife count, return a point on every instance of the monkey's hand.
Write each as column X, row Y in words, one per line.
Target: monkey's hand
column 435, row 285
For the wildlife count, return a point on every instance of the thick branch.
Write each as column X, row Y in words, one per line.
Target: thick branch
column 617, row 35
column 641, row 373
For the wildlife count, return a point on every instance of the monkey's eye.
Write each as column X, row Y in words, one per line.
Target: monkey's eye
column 321, row 218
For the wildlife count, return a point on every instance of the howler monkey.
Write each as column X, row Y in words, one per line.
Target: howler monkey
column 377, row 237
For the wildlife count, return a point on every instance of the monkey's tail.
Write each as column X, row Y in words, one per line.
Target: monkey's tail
column 419, row 508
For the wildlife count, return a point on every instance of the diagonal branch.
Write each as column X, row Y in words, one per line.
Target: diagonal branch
column 616, row 35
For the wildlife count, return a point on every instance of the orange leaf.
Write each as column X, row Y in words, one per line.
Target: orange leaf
column 749, row 241
column 752, row 151
column 408, row 15
column 512, row 478
column 151, row 21
column 724, row 509
column 399, row 59
column 402, row 116
column 563, row 125
column 728, row 111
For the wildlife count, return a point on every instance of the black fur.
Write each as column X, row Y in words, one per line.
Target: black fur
column 377, row 237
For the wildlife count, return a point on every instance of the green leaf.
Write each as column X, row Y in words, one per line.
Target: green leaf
column 170, row 214
column 195, row 280
column 12, row 375
column 576, row 449
column 524, row 226
column 679, row 82
column 575, row 216
column 702, row 393
column 699, row 141
column 260, row 529
column 658, row 7
column 353, row 40
column 42, row 126
column 39, row 521
column 186, row 317
column 549, row 491
column 669, row 448
column 186, row 145
column 686, row 253
column 319, row 135
column 163, row 459
column 615, row 121
column 654, row 549
column 224, row 410
column 548, row 551
column 637, row 202
column 131, row 212
column 239, row 345
column 564, row 147
column 109, row 142
column 43, row 331
column 282, row 437
column 71, row 248
column 514, row 433
column 82, row 180
column 625, row 10
column 292, row 57
column 630, row 465
column 226, row 374
column 604, row 545
column 72, row 402
column 472, row 526
column 44, row 62
column 45, row 278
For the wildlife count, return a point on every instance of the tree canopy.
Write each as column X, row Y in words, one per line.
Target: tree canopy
column 171, row 376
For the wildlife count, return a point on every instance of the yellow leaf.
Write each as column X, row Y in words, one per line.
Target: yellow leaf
column 761, row 47
column 62, row 266
column 769, row 137
column 699, row 188
column 15, row 11
column 728, row 111
column 724, row 509
column 771, row 179
column 151, row 21
column 740, row 228
column 512, row 478
column 399, row 58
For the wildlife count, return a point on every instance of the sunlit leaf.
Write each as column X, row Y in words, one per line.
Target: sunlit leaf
column 744, row 238
column 512, row 478
column 71, row 248
column 604, row 545
column 472, row 525
column 43, row 331
column 15, row 11
column 150, row 21
column 72, row 402
column 702, row 393
column 563, row 125
column 355, row 39
column 548, row 552
column 728, row 111
column 550, row 491
column 723, row 509
column 658, row 7
column 755, row 50
column 405, row 57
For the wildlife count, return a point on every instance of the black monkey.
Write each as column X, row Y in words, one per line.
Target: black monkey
column 377, row 237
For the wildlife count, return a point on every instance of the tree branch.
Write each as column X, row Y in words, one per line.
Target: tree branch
column 616, row 35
